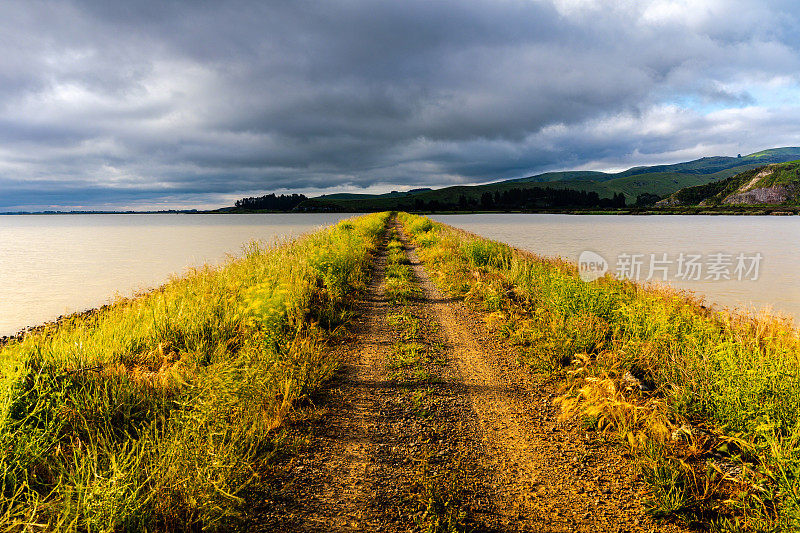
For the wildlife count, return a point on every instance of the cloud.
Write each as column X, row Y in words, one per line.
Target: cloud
column 141, row 103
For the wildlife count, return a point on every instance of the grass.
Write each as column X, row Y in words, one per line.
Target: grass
column 707, row 401
column 399, row 277
column 155, row 413
column 439, row 493
column 414, row 350
column 436, row 491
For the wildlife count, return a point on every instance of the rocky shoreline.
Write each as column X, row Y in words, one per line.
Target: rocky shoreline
column 53, row 324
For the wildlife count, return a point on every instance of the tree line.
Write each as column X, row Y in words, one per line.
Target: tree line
column 528, row 198
column 524, row 199
column 284, row 202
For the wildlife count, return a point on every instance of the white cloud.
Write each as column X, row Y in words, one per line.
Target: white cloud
column 691, row 13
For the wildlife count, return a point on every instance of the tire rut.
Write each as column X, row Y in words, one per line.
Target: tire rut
column 329, row 483
column 547, row 476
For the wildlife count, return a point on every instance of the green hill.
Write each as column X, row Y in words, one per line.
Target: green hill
column 356, row 196
column 637, row 182
column 774, row 184
column 575, row 175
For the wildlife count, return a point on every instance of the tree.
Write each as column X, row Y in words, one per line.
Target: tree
column 645, row 199
column 271, row 202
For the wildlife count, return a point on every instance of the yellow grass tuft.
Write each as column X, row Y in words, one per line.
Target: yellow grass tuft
column 600, row 400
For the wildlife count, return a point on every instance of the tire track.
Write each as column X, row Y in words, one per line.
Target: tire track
column 548, row 476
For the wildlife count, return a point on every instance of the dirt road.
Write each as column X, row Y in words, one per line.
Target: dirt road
column 461, row 438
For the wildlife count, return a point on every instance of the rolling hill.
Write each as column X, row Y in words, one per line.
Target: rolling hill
column 600, row 189
column 773, row 184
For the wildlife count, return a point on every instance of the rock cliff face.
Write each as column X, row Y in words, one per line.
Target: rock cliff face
column 763, row 195
column 670, row 201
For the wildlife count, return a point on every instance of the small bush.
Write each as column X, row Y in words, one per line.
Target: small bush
column 480, row 253
column 425, row 239
column 419, row 225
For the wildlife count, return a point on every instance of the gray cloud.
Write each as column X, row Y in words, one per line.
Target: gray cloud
column 140, row 103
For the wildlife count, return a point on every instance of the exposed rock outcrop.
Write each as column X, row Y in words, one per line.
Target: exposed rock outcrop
column 670, row 201
column 763, row 195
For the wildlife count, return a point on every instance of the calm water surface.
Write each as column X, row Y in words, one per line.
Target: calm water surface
column 776, row 238
column 52, row 265
column 56, row 264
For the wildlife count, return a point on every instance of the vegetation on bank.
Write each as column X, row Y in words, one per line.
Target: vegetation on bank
column 154, row 414
column 717, row 210
column 707, row 401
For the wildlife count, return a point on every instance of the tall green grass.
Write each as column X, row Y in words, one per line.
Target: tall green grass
column 155, row 413
column 731, row 381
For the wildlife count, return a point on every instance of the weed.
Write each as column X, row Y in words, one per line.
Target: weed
column 152, row 414
column 399, row 286
column 438, row 493
column 437, row 490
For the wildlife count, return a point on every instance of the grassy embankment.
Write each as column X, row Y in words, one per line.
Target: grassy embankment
column 155, row 413
column 706, row 402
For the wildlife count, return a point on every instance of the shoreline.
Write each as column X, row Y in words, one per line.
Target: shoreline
column 758, row 210
column 61, row 319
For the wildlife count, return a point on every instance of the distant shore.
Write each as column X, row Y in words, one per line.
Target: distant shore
column 758, row 210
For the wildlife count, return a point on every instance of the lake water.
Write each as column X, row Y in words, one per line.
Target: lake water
column 645, row 239
column 56, row 264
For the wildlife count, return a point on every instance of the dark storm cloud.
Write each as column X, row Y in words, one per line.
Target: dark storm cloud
column 112, row 103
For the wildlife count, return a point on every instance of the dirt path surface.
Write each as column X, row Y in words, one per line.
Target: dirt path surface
column 461, row 438
column 550, row 476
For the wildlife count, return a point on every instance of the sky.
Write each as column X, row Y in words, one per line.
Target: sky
column 156, row 105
